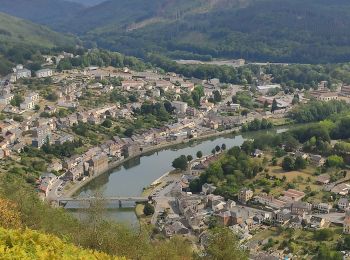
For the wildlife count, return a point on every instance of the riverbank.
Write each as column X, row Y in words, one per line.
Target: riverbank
column 75, row 187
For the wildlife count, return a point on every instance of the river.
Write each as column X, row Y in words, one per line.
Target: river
column 130, row 178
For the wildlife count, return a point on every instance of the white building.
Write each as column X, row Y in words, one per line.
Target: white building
column 44, row 73
column 21, row 72
column 6, row 99
column 180, row 106
column 27, row 104
column 265, row 88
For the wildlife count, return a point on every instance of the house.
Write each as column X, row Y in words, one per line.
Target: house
column 41, row 135
column 245, row 195
column 300, row 208
column 218, row 205
column 301, row 154
column 82, row 117
column 190, row 111
column 45, row 182
column 180, row 107
column 175, row 228
column 230, row 204
column 131, row 149
column 324, row 96
column 27, row 104
column 6, row 99
column 33, row 96
column 211, row 199
column 44, row 73
column 316, row 160
column 265, row 88
column 50, row 110
column 208, row 188
column 269, row 201
column 258, row 153
column 317, row 222
column 292, row 195
column 323, row 207
column 345, row 91
column 282, row 217
column 75, row 173
column 99, row 163
column 341, row 189
column 343, row 204
column 323, row 179
column 21, row 72
column 224, row 218
column 132, row 84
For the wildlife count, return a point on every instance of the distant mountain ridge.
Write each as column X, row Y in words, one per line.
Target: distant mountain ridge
column 48, row 12
column 307, row 31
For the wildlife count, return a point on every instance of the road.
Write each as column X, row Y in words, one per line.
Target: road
column 53, row 193
column 334, row 217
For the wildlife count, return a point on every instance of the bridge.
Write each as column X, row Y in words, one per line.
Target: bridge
column 108, row 200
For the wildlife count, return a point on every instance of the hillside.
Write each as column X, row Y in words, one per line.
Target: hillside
column 17, row 31
column 47, row 12
column 20, row 38
column 304, row 31
column 28, row 244
column 265, row 30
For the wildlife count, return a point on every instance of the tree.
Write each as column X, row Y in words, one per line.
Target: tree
column 300, row 163
column 288, row 164
column 217, row 96
column 335, row 161
column 37, row 107
column 17, row 100
column 129, row 132
column 180, row 163
column 323, row 234
column 148, row 210
column 274, row 161
column 244, row 112
column 223, row 245
column 247, row 147
column 324, row 253
column 223, row 147
column 217, row 148
column 189, row 157
column 274, row 105
column 199, row 154
column 107, row 123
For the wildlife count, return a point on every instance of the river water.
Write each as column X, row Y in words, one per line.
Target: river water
column 130, row 178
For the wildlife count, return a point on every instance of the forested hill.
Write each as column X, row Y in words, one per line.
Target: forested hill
column 47, row 12
column 301, row 31
column 20, row 39
column 308, row 31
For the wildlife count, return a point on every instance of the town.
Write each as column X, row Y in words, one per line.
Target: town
column 83, row 122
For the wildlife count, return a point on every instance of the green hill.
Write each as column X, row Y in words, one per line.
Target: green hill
column 20, row 39
column 47, row 12
column 28, row 244
column 17, row 31
column 264, row 30
column 304, row 31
